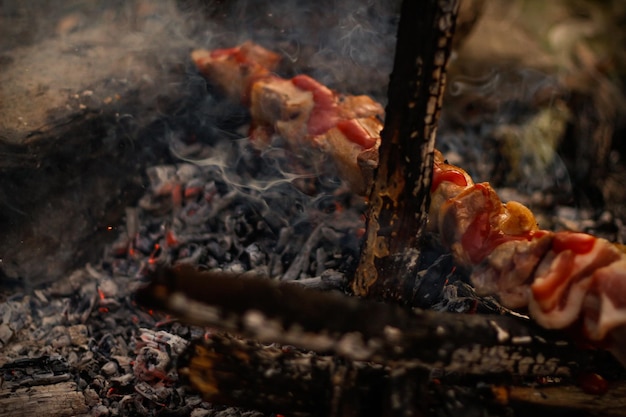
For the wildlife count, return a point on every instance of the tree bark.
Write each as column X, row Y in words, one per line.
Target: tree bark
column 400, row 195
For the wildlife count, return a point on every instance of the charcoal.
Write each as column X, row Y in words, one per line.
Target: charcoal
column 431, row 282
column 155, row 393
column 162, row 179
column 43, row 370
column 253, row 257
column 109, row 368
column 191, row 254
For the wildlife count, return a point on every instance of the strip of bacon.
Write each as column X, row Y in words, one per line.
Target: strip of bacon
column 564, row 279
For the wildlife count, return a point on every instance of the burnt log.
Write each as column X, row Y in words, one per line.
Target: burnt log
column 241, row 373
column 400, row 196
column 41, row 386
column 278, row 312
column 428, row 354
column 232, row 371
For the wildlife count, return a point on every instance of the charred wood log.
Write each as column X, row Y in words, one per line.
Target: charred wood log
column 41, row 385
column 246, row 374
column 232, row 371
column 34, row 371
column 386, row 359
column 399, row 198
column 570, row 400
column 273, row 312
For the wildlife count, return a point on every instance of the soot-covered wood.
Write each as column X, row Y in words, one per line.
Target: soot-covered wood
column 399, row 198
column 270, row 311
column 275, row 379
column 370, row 343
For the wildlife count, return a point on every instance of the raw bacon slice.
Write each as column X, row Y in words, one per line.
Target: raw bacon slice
column 564, row 279
column 564, row 276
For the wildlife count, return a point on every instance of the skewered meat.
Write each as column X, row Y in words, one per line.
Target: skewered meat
column 236, row 69
column 564, row 279
column 300, row 110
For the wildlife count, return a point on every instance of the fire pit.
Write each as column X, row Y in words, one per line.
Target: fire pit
column 119, row 158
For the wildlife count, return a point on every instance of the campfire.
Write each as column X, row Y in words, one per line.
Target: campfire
column 199, row 257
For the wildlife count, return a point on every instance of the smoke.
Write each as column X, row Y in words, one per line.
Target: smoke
column 347, row 45
column 508, row 123
column 274, row 181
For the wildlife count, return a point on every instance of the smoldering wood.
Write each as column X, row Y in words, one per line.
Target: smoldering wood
column 572, row 399
column 28, row 372
column 232, row 371
column 275, row 312
column 400, row 196
column 228, row 370
column 40, row 386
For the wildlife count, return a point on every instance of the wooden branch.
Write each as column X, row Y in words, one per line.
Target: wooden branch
column 399, row 198
column 270, row 311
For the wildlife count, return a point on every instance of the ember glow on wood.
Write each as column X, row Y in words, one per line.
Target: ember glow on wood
column 229, row 370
